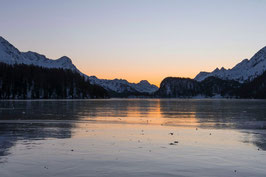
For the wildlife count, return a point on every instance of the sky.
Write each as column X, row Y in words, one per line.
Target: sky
column 138, row 39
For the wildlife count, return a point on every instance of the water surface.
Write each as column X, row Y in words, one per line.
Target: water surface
column 133, row 137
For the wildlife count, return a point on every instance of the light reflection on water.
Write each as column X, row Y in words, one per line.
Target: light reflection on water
column 123, row 131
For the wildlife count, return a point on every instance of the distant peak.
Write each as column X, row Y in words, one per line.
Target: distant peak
column 144, row 82
column 65, row 59
column 243, row 62
column 223, row 69
column 93, row 77
column 34, row 54
column 216, row 70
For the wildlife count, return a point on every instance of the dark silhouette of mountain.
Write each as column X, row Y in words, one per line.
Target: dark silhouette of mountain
column 254, row 89
column 175, row 87
column 215, row 86
column 178, row 87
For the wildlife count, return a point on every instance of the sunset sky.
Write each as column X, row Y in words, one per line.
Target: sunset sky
column 138, row 39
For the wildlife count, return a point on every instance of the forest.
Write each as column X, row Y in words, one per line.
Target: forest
column 22, row 81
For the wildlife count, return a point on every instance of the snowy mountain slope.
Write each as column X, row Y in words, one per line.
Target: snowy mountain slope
column 121, row 85
column 245, row 71
column 11, row 55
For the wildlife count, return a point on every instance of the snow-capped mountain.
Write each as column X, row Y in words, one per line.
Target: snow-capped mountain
column 11, row 55
column 121, row 85
column 245, row 71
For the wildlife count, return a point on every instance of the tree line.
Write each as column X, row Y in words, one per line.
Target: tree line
column 22, row 81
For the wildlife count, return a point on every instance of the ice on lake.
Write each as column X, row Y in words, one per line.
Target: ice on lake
column 133, row 137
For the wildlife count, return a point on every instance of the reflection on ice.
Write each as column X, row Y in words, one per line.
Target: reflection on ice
column 119, row 132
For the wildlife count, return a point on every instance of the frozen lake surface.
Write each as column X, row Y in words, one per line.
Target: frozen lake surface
column 133, row 137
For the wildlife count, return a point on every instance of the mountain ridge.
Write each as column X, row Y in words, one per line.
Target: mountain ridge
column 253, row 67
column 9, row 54
column 117, row 85
column 219, row 81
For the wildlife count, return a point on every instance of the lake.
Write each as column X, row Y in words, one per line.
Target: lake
column 133, row 137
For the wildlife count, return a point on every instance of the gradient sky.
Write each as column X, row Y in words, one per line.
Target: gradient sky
column 138, row 39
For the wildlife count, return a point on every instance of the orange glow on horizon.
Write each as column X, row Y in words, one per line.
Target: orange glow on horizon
column 155, row 78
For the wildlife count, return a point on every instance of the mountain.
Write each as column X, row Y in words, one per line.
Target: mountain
column 254, row 89
column 11, row 55
column 178, row 87
column 123, row 86
column 213, row 86
column 174, row 87
column 246, row 80
column 245, row 71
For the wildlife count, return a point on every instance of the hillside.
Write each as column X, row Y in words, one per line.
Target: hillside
column 22, row 81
